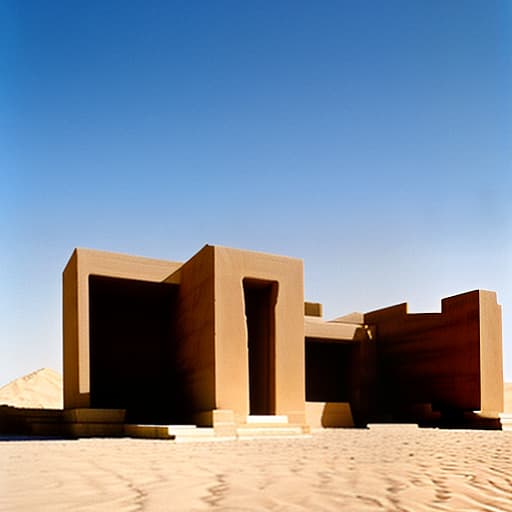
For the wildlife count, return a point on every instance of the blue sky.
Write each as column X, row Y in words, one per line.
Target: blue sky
column 373, row 139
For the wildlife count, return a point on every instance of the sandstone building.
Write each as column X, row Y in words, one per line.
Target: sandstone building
column 226, row 341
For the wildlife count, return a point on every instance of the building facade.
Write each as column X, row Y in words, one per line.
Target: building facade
column 226, row 340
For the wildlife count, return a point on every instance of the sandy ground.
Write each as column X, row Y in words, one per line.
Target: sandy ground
column 383, row 468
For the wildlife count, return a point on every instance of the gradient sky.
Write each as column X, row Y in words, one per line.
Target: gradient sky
column 373, row 139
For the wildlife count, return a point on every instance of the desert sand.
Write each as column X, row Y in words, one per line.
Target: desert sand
column 382, row 468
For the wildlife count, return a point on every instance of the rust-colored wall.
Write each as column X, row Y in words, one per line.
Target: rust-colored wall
column 363, row 382
column 436, row 357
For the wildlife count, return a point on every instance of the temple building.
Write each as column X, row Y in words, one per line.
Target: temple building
column 225, row 341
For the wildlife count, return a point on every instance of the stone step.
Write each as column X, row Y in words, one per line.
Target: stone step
column 383, row 426
column 191, row 433
column 88, row 415
column 45, row 419
column 267, row 419
column 269, row 430
column 148, row 431
column 75, row 430
column 48, row 428
column 179, row 433
column 41, row 424
column 95, row 429
column 265, row 425
column 200, row 434
column 47, row 415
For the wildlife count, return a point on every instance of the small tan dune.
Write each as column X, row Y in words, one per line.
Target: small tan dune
column 39, row 389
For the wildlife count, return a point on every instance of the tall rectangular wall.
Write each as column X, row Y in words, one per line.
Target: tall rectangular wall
column 491, row 355
column 231, row 352
column 450, row 359
column 74, row 363
column 76, row 332
column 195, row 330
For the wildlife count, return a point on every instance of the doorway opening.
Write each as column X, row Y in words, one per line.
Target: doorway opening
column 260, row 298
column 329, row 370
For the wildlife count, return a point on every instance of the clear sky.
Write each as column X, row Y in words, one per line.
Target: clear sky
column 373, row 139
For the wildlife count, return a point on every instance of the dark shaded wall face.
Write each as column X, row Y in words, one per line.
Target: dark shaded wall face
column 328, row 371
column 133, row 348
column 430, row 358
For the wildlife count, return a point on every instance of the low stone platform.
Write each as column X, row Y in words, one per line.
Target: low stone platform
column 88, row 423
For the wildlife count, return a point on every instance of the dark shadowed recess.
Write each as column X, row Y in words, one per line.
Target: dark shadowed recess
column 134, row 350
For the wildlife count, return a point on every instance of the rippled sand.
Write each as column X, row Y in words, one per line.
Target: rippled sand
column 384, row 468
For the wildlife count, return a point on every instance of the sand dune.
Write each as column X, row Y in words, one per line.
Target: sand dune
column 508, row 397
column 383, row 468
column 39, row 389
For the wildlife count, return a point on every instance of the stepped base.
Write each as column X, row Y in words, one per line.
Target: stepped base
column 191, row 433
column 178, row 433
column 267, row 419
column 270, row 426
column 74, row 423
column 287, row 430
column 88, row 422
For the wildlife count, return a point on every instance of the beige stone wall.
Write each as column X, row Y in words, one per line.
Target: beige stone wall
column 210, row 322
column 452, row 359
column 232, row 387
column 196, row 328
column 82, row 264
column 491, row 354
column 73, row 332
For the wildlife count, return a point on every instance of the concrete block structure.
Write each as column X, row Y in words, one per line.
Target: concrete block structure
column 451, row 360
column 390, row 365
column 225, row 341
column 211, row 342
